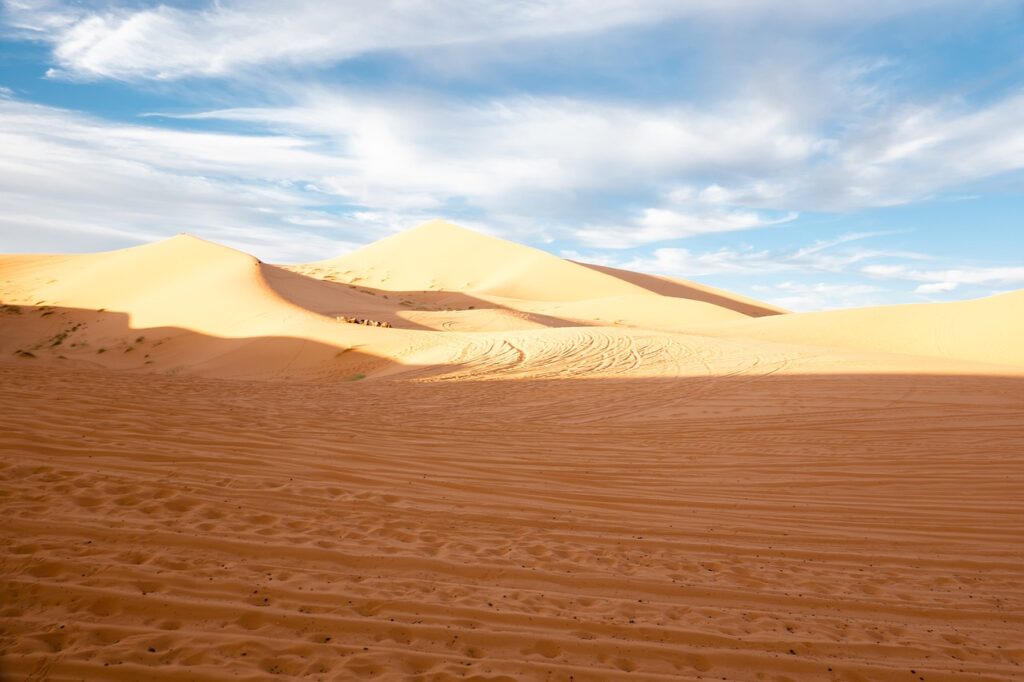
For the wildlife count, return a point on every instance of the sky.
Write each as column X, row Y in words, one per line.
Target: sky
column 811, row 154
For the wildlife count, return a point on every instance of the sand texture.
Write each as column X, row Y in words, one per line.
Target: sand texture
column 445, row 456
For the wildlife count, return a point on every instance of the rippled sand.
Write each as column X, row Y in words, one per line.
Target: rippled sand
column 500, row 486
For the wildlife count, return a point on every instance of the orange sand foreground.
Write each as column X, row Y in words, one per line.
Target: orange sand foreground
column 536, row 469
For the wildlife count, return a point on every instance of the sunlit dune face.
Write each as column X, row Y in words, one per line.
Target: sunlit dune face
column 442, row 300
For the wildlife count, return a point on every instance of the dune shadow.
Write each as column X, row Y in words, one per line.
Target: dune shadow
column 103, row 339
column 677, row 289
column 333, row 298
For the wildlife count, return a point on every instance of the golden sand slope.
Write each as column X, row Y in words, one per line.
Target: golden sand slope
column 987, row 330
column 185, row 305
column 441, row 256
column 188, row 306
column 550, row 472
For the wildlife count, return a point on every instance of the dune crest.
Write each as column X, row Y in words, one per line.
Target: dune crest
column 198, row 308
column 677, row 288
column 441, row 300
column 440, row 256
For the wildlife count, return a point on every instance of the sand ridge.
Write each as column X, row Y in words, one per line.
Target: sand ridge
column 987, row 330
column 222, row 313
column 438, row 255
column 678, row 288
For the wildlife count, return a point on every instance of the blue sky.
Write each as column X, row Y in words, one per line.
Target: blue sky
column 811, row 154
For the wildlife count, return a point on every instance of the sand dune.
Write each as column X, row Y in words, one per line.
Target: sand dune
column 439, row 256
column 445, row 275
column 988, row 330
column 540, row 470
column 188, row 306
column 678, row 288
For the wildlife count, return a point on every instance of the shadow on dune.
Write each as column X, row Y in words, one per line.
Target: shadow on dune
column 102, row 339
column 677, row 289
column 334, row 298
column 99, row 339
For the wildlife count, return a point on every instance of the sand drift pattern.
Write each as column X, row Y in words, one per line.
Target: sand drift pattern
column 790, row 526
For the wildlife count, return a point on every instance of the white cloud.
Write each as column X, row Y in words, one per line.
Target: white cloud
column 949, row 279
column 936, row 288
column 803, row 296
column 69, row 182
column 484, row 148
column 820, row 257
column 529, row 162
column 523, row 164
column 609, row 173
column 162, row 42
column 834, row 258
column 981, row 280
column 659, row 224
column 916, row 151
column 900, row 158
column 826, row 288
column 889, row 155
column 559, row 154
column 527, row 167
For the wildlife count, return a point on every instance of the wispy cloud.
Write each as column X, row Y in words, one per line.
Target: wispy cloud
column 664, row 224
column 490, row 149
column 334, row 162
column 841, row 260
column 946, row 280
column 822, row 256
column 918, row 150
column 166, row 42
column 82, row 181
column 561, row 156
column 804, row 296
column 935, row 288
column 900, row 155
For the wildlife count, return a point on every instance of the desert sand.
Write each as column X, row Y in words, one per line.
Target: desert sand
column 447, row 456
